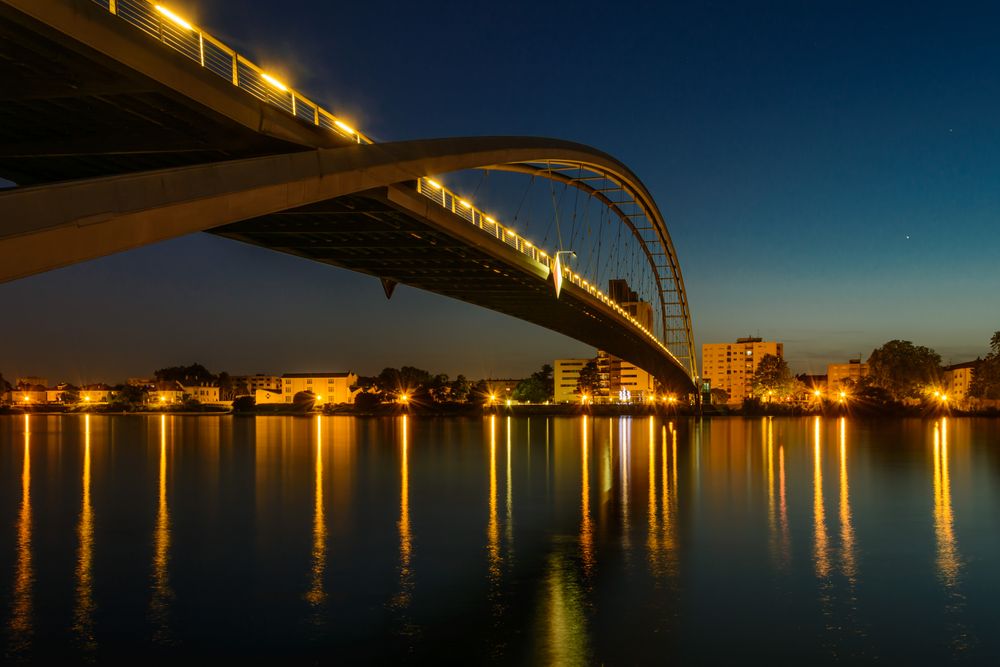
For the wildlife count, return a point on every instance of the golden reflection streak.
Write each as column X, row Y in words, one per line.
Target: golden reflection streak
column 782, row 503
column 316, row 594
column 493, row 529
column 819, row 513
column 624, row 463
column 84, row 610
column 947, row 557
column 405, row 537
column 653, row 541
column 24, row 577
column 509, row 527
column 771, row 518
column 161, row 546
column 566, row 641
column 586, row 527
column 846, row 529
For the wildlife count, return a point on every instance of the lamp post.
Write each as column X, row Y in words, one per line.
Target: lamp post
column 557, row 270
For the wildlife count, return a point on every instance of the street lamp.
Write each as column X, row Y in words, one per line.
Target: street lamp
column 557, row 271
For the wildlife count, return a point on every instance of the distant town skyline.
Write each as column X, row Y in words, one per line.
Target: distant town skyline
column 827, row 173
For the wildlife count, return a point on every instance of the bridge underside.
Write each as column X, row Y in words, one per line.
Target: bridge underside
column 393, row 233
column 70, row 108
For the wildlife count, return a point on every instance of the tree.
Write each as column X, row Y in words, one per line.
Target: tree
column 904, row 369
column 460, row 388
column 719, row 396
column 244, row 404
column 186, row 375
column 771, row 376
column 589, row 379
column 537, row 388
column 304, row 400
column 986, row 375
column 226, row 392
column 129, row 395
column 70, row 396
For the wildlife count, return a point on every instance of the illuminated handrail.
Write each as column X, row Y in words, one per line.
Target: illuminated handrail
column 463, row 208
column 193, row 42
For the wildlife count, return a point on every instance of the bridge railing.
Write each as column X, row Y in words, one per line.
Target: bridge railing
column 172, row 30
column 463, row 208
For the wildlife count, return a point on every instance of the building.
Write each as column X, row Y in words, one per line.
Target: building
column 622, row 381
column 957, row 379
column 327, row 387
column 262, row 396
column 30, row 394
column 95, row 393
column 852, row 371
column 253, row 383
column 619, row 381
column 731, row 366
column 162, row 393
column 31, row 380
column 565, row 375
column 203, row 392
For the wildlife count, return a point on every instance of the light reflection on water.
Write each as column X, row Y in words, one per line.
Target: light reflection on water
column 638, row 539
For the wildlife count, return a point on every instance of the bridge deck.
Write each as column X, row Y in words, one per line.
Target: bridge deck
column 85, row 105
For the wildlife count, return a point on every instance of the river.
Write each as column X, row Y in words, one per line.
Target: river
column 569, row 540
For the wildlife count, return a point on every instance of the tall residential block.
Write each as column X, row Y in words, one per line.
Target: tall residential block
column 852, row 371
column 730, row 366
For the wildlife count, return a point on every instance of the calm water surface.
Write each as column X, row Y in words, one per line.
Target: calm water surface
column 560, row 541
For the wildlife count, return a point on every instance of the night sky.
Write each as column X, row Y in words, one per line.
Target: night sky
column 829, row 172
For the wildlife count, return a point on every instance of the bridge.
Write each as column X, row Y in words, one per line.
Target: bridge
column 122, row 124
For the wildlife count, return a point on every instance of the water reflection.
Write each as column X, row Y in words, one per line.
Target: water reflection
column 783, row 506
column 159, row 605
column 586, row 528
column 563, row 618
column 493, row 526
column 846, row 526
column 405, row 537
column 510, row 499
column 821, row 549
column 624, row 466
column 24, row 576
column 316, row 594
column 948, row 563
column 83, row 622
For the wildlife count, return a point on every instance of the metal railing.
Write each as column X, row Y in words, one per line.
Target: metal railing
column 172, row 30
column 463, row 208
column 196, row 44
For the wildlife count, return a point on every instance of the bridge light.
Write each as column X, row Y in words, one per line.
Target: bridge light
column 277, row 84
column 464, row 203
column 173, row 17
column 527, row 244
column 491, row 220
column 510, row 232
column 344, row 126
column 434, row 184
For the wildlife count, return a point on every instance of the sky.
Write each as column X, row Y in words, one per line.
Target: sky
column 828, row 171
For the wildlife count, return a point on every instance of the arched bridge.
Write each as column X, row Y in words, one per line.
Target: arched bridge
column 123, row 125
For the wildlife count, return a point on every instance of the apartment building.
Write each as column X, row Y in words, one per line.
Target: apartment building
column 731, row 366
column 327, row 387
column 852, row 371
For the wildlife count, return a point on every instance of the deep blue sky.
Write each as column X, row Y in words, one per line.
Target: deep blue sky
column 829, row 172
